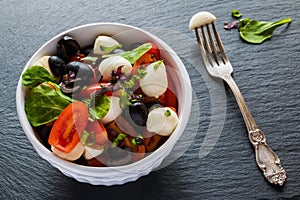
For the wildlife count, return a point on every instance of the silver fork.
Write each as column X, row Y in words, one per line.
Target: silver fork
column 218, row 65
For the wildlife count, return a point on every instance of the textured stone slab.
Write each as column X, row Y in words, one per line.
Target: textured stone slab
column 268, row 76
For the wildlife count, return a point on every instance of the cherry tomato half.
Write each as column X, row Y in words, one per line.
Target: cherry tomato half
column 67, row 129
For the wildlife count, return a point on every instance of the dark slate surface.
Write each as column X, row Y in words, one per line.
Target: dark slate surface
column 268, row 76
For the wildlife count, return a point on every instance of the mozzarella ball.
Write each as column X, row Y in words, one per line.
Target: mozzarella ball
column 112, row 63
column 104, row 45
column 74, row 154
column 200, row 19
column 162, row 121
column 155, row 82
column 114, row 110
column 90, row 153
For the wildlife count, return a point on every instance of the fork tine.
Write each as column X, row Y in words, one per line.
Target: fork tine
column 220, row 44
column 202, row 49
column 212, row 42
column 208, row 48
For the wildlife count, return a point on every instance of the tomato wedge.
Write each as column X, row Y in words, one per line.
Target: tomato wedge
column 67, row 129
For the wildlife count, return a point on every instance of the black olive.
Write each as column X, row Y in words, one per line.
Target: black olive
column 153, row 104
column 77, row 75
column 139, row 141
column 69, row 87
column 136, row 114
column 67, row 47
column 79, row 70
column 87, row 50
column 57, row 66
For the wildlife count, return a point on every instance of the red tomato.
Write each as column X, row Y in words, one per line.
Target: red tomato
column 100, row 134
column 155, row 51
column 169, row 98
column 86, row 92
column 77, row 57
column 67, row 129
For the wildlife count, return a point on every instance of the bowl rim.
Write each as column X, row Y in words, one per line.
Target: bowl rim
column 46, row 154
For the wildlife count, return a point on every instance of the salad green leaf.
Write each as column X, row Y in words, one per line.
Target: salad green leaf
column 36, row 75
column 99, row 107
column 44, row 103
column 255, row 31
column 133, row 55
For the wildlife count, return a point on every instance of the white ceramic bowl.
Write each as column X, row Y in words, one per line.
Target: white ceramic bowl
column 127, row 35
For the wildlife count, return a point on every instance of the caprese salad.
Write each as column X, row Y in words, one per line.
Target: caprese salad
column 101, row 105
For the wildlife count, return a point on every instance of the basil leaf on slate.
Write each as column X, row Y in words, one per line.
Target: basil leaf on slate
column 254, row 31
column 236, row 14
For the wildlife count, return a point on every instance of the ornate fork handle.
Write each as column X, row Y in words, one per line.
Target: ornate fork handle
column 266, row 158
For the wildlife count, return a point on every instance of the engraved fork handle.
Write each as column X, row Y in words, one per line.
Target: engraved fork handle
column 266, row 158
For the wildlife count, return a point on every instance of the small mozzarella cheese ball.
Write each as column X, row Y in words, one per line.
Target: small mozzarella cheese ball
column 90, row 153
column 104, row 45
column 74, row 154
column 162, row 121
column 112, row 63
column 200, row 19
column 43, row 61
column 155, row 82
column 114, row 110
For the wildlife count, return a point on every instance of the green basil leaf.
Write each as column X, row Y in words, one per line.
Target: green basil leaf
column 119, row 138
column 258, row 31
column 168, row 113
column 236, row 14
column 36, row 75
column 87, row 138
column 90, row 58
column 133, row 55
column 44, row 103
column 124, row 99
column 157, row 64
column 110, row 48
column 100, row 107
